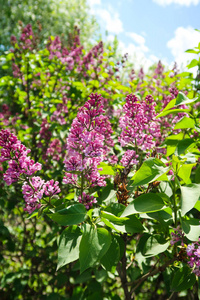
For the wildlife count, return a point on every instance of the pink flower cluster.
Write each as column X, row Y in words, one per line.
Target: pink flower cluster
column 16, row 153
column 87, row 200
column 22, row 167
column 193, row 252
column 87, row 145
column 35, row 189
column 27, row 39
column 139, row 127
column 177, row 236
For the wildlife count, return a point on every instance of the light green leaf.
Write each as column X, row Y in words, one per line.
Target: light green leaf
column 192, row 51
column 150, row 170
column 185, row 122
column 106, row 170
column 68, row 246
column 193, row 64
column 189, row 196
column 191, row 229
column 71, row 215
column 170, row 105
column 185, row 171
column 172, row 111
column 183, row 99
column 113, row 218
column 153, row 247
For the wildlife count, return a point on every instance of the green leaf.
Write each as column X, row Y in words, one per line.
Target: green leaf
column 133, row 225
column 183, row 145
column 191, row 229
column 150, row 170
column 94, row 244
column 68, row 246
column 189, row 196
column 183, row 99
column 106, row 170
column 192, row 51
column 111, row 258
column 171, row 111
column 185, row 122
column 154, row 247
column 143, row 204
column 180, row 99
column 71, row 215
column 197, row 174
column 171, row 104
column 163, row 217
column 183, row 279
column 185, row 171
column 130, row 225
column 113, row 218
column 193, row 64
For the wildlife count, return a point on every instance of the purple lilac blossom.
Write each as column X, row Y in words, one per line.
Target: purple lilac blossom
column 139, row 127
column 193, row 252
column 87, row 200
column 88, row 144
column 22, row 167
column 177, row 236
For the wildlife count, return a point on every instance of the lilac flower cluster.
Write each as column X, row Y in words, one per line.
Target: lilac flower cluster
column 16, row 154
column 177, row 236
column 193, row 252
column 87, row 200
column 27, row 38
column 139, row 127
column 87, row 145
column 21, row 167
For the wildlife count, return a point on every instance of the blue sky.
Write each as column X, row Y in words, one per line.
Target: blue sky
column 150, row 30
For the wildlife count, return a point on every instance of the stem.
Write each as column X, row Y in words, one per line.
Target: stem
column 121, row 269
column 174, row 203
column 82, row 178
column 152, row 272
column 28, row 87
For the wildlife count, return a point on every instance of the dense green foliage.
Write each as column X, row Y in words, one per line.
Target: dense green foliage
column 48, row 17
column 121, row 247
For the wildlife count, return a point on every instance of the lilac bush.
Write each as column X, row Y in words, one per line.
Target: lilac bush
column 113, row 182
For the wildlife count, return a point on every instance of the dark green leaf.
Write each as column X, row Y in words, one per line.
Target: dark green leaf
column 111, row 257
column 68, row 246
column 71, row 215
column 145, row 203
column 183, row 279
column 94, row 244
column 183, row 145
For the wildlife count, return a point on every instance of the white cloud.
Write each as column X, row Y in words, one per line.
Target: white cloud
column 184, row 39
column 139, row 40
column 136, row 37
column 180, row 2
column 93, row 2
column 138, row 56
column 110, row 20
